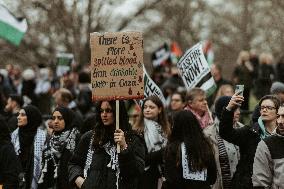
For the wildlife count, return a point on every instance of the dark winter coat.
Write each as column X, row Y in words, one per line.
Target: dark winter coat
column 62, row 182
column 131, row 165
column 150, row 177
column 30, row 137
column 174, row 173
column 10, row 167
column 247, row 138
column 66, row 148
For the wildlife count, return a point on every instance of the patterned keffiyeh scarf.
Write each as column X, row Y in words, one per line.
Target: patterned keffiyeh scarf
column 39, row 141
column 55, row 147
column 113, row 164
column 153, row 135
column 186, row 170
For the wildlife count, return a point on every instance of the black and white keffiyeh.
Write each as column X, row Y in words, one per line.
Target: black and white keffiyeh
column 113, row 164
column 39, row 141
column 153, row 135
column 55, row 147
column 186, row 170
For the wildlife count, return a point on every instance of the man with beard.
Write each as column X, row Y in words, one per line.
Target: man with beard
column 12, row 108
column 269, row 158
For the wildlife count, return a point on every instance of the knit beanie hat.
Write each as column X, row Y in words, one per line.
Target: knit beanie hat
column 277, row 87
column 221, row 102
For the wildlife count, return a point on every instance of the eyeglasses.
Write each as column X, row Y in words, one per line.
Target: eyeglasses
column 267, row 108
column 108, row 110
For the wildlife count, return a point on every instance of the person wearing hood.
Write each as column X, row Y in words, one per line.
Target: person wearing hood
column 9, row 165
column 248, row 137
column 269, row 158
column 28, row 140
column 58, row 150
column 226, row 154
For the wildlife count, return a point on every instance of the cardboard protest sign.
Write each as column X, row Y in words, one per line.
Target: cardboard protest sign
column 63, row 63
column 195, row 70
column 117, row 65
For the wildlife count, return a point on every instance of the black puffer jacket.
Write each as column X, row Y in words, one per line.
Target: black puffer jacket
column 247, row 138
column 131, row 164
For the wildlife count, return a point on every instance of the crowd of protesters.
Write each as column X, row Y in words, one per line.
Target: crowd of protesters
column 52, row 135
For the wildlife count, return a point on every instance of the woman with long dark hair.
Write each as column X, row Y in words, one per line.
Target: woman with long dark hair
column 9, row 165
column 96, row 163
column 58, row 150
column 28, row 140
column 153, row 125
column 189, row 157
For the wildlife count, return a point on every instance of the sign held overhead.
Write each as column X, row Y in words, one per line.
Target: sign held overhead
column 117, row 65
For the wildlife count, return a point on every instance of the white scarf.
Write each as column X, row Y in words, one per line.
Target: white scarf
column 186, row 170
column 153, row 135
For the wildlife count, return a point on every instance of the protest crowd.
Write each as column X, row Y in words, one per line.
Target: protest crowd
column 112, row 124
column 53, row 135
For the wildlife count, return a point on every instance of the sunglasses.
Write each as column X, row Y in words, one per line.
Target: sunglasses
column 108, row 110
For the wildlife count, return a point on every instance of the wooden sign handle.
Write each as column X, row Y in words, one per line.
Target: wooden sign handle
column 117, row 123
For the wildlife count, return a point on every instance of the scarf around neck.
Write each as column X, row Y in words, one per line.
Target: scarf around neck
column 263, row 133
column 55, row 147
column 110, row 149
column 204, row 120
column 153, row 135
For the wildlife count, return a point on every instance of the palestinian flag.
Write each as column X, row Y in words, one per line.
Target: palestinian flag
column 151, row 88
column 176, row 52
column 161, row 55
column 12, row 29
column 208, row 52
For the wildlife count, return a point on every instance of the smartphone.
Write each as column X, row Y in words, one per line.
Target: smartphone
column 240, row 89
